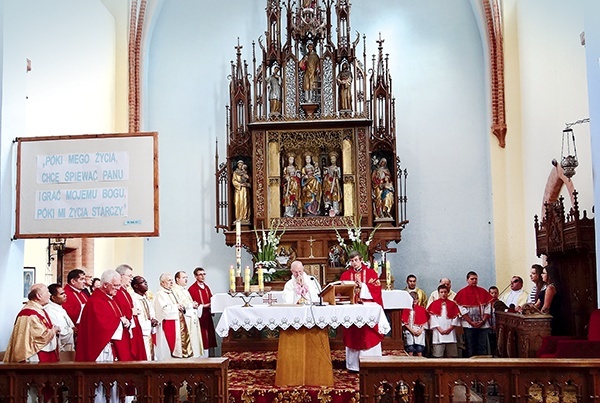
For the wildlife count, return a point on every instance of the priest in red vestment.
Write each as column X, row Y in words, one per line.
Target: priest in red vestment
column 103, row 323
column 76, row 298
column 475, row 308
column 133, row 339
column 33, row 338
column 201, row 293
column 364, row 341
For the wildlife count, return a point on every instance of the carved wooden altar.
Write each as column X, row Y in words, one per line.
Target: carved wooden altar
column 311, row 138
column 568, row 241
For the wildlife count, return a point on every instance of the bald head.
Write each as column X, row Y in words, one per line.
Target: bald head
column 297, row 268
column 39, row 293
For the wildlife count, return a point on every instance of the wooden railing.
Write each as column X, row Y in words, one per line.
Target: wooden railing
column 396, row 379
column 202, row 380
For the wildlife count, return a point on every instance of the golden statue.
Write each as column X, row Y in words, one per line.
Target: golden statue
column 241, row 185
column 344, row 80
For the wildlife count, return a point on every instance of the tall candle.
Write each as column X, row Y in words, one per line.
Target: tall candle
column 238, row 248
column 247, row 279
column 388, row 274
column 376, row 266
column 231, row 279
column 261, row 279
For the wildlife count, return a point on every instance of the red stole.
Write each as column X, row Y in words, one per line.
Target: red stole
column 473, row 296
column 452, row 310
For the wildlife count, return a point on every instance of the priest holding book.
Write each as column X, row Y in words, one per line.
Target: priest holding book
column 364, row 341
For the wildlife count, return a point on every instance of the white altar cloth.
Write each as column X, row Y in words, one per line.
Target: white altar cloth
column 392, row 299
column 297, row 316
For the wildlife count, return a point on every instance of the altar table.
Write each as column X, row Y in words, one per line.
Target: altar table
column 304, row 356
column 392, row 299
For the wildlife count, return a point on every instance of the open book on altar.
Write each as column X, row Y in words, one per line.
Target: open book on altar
column 339, row 292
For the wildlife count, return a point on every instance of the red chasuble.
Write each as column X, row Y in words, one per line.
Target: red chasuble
column 203, row 296
column 100, row 319
column 133, row 339
column 365, row 337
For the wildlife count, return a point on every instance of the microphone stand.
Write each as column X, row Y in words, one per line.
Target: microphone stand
column 320, row 290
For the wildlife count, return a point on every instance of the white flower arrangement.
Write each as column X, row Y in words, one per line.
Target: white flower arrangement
column 267, row 244
column 356, row 243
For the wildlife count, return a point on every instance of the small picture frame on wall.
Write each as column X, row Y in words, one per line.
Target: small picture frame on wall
column 28, row 279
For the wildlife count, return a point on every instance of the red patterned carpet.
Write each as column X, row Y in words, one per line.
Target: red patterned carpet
column 252, row 379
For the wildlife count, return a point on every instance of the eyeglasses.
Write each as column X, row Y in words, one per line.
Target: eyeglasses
column 515, row 281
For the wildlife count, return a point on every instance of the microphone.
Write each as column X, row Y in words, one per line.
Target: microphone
column 312, row 278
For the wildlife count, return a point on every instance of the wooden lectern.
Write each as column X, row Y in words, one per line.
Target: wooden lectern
column 339, row 292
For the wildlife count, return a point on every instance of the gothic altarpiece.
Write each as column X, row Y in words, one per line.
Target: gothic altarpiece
column 311, row 139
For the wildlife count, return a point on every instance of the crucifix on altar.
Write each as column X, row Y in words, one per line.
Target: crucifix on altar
column 386, row 272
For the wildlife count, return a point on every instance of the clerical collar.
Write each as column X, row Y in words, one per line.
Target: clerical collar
column 358, row 270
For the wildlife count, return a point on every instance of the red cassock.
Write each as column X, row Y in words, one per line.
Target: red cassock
column 365, row 337
column 202, row 296
column 76, row 299
column 133, row 339
column 99, row 321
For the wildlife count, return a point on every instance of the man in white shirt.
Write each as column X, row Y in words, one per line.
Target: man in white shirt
column 300, row 289
column 60, row 318
column 517, row 297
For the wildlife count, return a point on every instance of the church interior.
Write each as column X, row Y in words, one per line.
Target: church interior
column 445, row 132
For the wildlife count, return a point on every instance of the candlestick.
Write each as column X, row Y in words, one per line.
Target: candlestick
column 376, row 266
column 261, row 279
column 231, row 279
column 247, row 279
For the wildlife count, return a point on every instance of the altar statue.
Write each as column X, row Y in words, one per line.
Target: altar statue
column 383, row 190
column 344, row 80
column 291, row 188
column 332, row 191
column 310, row 65
column 241, row 184
column 274, row 86
column 311, row 188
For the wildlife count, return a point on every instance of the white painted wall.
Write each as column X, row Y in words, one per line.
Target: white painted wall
column 70, row 90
